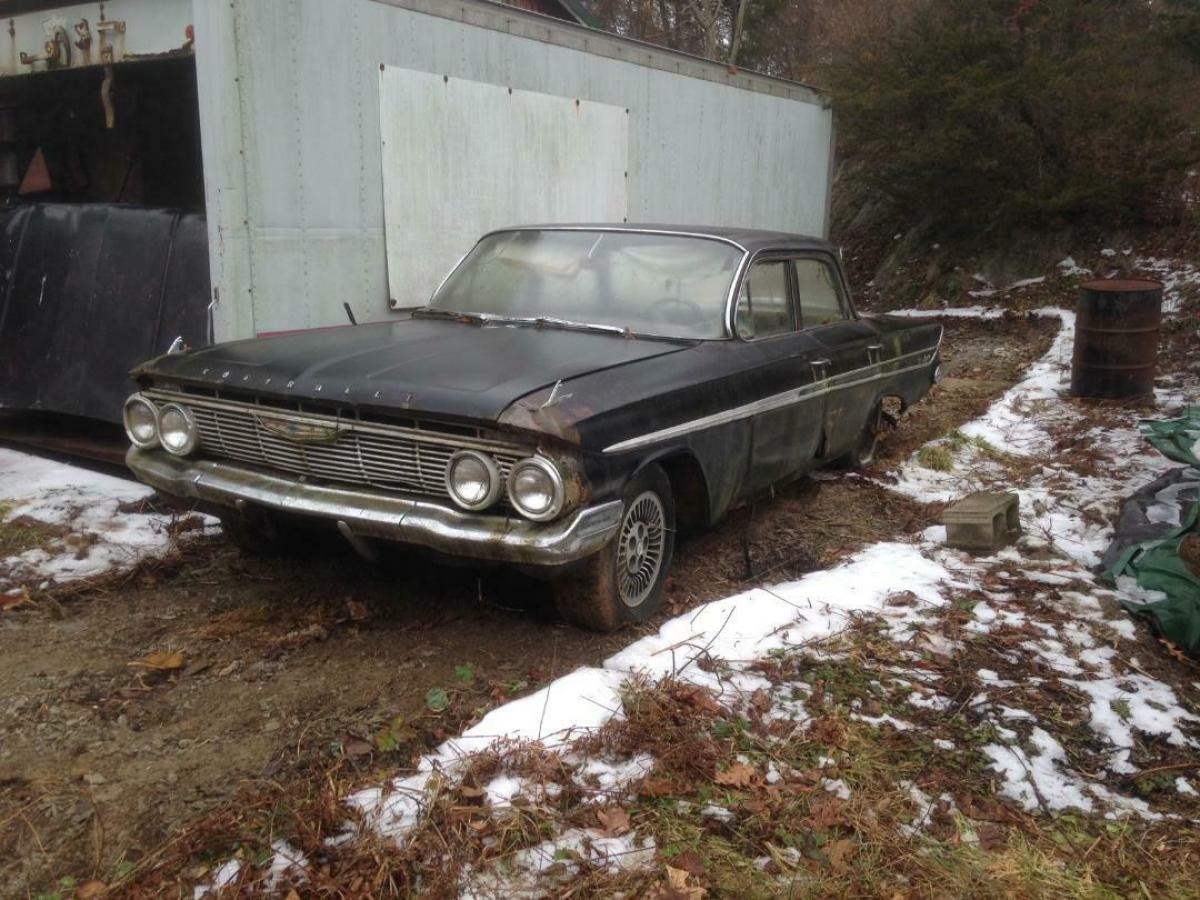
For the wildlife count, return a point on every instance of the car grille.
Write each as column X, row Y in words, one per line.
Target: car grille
column 369, row 453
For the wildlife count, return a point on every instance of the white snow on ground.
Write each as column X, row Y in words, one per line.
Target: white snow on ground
column 1173, row 275
column 743, row 627
column 86, row 506
column 1065, row 513
column 524, row 873
column 1068, row 268
column 989, row 291
column 1060, row 505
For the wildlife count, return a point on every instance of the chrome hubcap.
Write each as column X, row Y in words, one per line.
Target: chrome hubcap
column 640, row 548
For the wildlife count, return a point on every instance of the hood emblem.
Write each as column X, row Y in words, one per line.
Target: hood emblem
column 301, row 432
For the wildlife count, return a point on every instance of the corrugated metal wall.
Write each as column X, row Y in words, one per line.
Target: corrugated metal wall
column 290, row 120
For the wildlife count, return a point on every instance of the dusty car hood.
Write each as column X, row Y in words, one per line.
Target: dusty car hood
column 431, row 365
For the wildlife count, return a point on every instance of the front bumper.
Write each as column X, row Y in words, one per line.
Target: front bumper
column 378, row 514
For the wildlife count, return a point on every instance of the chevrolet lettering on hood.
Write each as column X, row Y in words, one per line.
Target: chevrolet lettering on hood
column 569, row 398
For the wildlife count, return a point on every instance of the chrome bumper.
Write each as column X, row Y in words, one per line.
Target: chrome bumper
column 377, row 514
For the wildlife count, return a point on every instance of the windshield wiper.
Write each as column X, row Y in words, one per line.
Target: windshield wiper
column 555, row 322
column 535, row 321
column 429, row 312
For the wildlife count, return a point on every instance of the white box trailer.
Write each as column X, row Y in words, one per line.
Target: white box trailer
column 352, row 150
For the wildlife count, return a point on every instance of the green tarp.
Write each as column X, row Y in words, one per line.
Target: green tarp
column 1156, row 564
column 1157, row 567
column 1177, row 439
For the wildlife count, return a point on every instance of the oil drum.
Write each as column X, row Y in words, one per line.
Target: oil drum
column 1116, row 338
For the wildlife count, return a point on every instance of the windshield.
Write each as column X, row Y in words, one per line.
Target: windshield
column 646, row 283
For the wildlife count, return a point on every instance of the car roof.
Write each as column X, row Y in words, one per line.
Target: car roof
column 750, row 239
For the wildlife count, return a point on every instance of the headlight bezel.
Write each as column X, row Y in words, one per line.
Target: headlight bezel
column 140, row 400
column 192, row 431
column 495, row 481
column 558, row 489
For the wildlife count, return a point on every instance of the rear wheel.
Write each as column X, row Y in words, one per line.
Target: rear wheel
column 623, row 583
column 863, row 452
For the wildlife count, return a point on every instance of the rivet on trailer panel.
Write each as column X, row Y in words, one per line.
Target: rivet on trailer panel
column 224, row 374
column 318, row 387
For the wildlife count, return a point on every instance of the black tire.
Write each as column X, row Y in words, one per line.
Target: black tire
column 622, row 584
column 863, row 452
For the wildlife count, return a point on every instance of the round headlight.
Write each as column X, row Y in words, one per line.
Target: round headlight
column 177, row 429
column 536, row 489
column 473, row 479
column 141, row 422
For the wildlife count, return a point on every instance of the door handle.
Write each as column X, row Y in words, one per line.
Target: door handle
column 874, row 353
column 820, row 368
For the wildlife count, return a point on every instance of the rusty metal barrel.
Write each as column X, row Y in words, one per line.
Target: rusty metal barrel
column 1116, row 338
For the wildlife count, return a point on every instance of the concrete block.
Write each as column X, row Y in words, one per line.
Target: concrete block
column 987, row 521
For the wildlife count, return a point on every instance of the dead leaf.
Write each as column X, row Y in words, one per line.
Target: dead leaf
column 678, row 887
column 689, row 861
column 90, row 890
column 760, row 701
column 656, row 787
column 991, row 837
column 292, row 895
column 839, row 852
column 740, row 774
column 13, row 599
column 826, row 730
column 358, row 747
column 197, row 667
column 825, row 812
column 359, row 611
column 613, row 820
column 699, row 699
column 161, row 661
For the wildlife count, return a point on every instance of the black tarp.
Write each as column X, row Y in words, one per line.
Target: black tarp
column 88, row 292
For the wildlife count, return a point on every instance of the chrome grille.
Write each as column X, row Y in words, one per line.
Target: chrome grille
column 369, row 453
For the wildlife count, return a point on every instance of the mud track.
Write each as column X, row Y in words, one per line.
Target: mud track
column 289, row 664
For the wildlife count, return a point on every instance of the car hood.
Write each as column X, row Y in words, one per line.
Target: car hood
column 438, row 366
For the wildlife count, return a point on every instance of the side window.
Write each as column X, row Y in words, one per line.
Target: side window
column 820, row 298
column 765, row 305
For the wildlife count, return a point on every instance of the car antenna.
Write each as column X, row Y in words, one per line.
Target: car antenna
column 349, row 313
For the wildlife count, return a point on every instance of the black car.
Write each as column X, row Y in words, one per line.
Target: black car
column 569, row 396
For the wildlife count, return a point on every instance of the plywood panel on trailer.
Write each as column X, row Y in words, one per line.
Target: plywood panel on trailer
column 461, row 158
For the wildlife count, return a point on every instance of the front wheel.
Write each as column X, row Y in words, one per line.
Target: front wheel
column 260, row 534
column 623, row 583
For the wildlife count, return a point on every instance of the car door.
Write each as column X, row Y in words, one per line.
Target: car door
column 789, row 404
column 850, row 344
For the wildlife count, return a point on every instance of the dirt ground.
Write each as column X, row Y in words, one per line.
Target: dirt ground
column 127, row 711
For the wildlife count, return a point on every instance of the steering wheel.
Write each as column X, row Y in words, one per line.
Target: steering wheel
column 689, row 309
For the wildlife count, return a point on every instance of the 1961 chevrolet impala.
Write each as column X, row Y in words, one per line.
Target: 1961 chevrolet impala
column 569, row 397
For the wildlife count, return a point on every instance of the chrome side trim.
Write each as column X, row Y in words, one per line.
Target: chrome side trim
column 385, row 515
column 770, row 404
